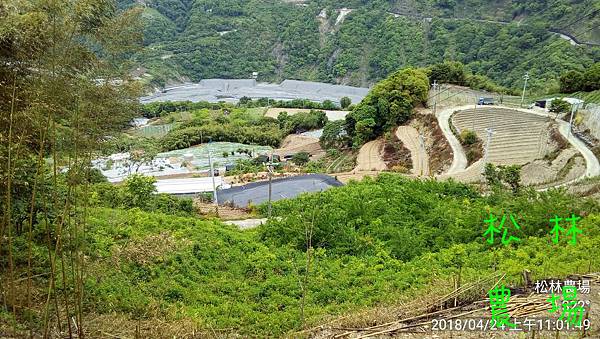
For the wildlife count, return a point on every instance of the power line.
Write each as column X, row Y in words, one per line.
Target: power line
column 582, row 33
column 455, row 94
column 542, row 51
column 548, row 6
column 536, row 55
column 593, row 13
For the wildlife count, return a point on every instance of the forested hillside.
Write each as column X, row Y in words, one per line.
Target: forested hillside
column 83, row 257
column 359, row 42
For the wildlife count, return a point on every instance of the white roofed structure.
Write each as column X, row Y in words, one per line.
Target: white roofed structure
column 189, row 186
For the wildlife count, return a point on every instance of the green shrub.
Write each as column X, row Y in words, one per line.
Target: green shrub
column 138, row 191
column 560, row 106
column 389, row 103
column 301, row 158
column 468, row 137
column 345, row 102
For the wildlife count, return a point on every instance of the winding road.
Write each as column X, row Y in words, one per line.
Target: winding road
column 459, row 162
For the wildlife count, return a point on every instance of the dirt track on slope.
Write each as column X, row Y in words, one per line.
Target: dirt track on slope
column 459, row 163
column 370, row 158
column 410, row 138
column 295, row 143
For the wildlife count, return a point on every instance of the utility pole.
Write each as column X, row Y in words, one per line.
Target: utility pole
column 270, row 169
column 475, row 114
column 435, row 86
column 526, row 77
column 490, row 132
column 212, row 175
column 574, row 109
column 422, row 143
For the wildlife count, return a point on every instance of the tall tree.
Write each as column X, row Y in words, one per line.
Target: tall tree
column 64, row 89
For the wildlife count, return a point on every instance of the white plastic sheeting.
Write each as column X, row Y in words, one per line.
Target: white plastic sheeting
column 140, row 122
column 190, row 186
column 214, row 90
column 191, row 160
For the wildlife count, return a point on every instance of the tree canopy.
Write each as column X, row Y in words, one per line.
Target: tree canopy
column 199, row 39
column 389, row 103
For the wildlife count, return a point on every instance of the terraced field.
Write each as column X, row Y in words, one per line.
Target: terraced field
column 518, row 137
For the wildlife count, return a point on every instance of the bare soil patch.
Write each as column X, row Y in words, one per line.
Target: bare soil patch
column 437, row 146
column 295, row 143
column 396, row 155
column 225, row 212
column 147, row 250
column 370, row 157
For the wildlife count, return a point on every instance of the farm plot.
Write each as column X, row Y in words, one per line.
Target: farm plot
column 518, row 137
column 153, row 131
column 294, row 143
column 331, row 115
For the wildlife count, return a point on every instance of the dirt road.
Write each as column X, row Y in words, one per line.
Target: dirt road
column 369, row 157
column 459, row 163
column 410, row 138
column 295, row 143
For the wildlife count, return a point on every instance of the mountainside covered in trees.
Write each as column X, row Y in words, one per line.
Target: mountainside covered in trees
column 359, row 42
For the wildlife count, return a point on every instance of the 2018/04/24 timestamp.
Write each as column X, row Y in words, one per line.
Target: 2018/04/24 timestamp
column 526, row 324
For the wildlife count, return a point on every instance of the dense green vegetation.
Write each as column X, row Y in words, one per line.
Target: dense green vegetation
column 575, row 81
column 301, row 121
column 75, row 249
column 138, row 191
column 202, row 39
column 409, row 217
column 295, row 103
column 60, row 103
column 345, row 249
column 388, row 104
column 234, row 124
column 454, row 72
column 159, row 109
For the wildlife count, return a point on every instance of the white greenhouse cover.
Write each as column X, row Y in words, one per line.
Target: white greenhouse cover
column 189, row 186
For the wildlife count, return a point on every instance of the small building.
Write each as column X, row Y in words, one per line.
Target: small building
column 547, row 103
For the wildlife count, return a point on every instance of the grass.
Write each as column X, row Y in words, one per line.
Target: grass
column 153, row 131
column 257, row 111
column 191, row 275
column 221, row 278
